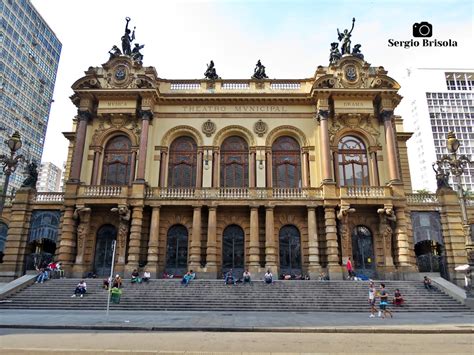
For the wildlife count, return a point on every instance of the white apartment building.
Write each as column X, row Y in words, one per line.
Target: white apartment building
column 435, row 102
column 49, row 178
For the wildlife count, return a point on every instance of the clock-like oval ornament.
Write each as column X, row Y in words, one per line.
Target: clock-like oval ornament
column 120, row 73
column 351, row 73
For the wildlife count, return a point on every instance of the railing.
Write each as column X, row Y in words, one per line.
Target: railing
column 235, row 86
column 185, row 86
column 422, row 199
column 49, row 197
column 233, row 192
column 285, row 86
column 177, row 192
column 102, row 191
column 364, row 191
column 469, row 201
column 283, row 192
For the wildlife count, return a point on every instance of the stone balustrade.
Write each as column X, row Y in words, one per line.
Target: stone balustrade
column 49, row 197
column 469, row 201
column 177, row 193
column 233, row 193
column 289, row 193
column 363, row 191
column 102, row 191
column 422, row 199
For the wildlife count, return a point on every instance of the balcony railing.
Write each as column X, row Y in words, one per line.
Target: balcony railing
column 365, row 191
column 102, row 191
column 178, row 193
column 422, row 199
column 290, row 193
column 49, row 197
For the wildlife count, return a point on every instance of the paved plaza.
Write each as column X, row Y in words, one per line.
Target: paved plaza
column 454, row 322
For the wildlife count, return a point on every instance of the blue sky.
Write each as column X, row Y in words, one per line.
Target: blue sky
column 290, row 37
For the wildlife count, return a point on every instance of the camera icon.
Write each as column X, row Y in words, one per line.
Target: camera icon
column 422, row 29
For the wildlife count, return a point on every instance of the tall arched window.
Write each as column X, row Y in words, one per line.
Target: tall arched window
column 286, row 162
column 182, row 163
column 353, row 167
column 234, row 162
column 117, row 161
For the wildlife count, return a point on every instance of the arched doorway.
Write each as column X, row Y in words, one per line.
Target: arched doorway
column 42, row 238
column 290, row 250
column 3, row 239
column 103, row 249
column 429, row 243
column 233, row 249
column 363, row 251
column 177, row 250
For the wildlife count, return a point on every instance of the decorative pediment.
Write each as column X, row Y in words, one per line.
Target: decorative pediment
column 110, row 124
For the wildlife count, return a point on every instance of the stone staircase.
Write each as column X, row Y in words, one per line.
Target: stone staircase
column 213, row 295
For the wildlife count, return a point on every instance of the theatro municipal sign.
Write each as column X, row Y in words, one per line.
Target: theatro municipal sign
column 245, row 109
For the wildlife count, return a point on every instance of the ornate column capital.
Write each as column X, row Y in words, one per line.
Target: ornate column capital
column 386, row 115
column 322, row 115
column 145, row 114
column 83, row 115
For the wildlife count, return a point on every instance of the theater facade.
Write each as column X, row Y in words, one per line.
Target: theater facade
column 291, row 175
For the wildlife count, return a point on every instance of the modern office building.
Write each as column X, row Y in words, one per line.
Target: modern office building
column 438, row 101
column 49, row 178
column 28, row 65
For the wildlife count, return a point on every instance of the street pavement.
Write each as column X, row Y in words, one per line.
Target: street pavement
column 295, row 322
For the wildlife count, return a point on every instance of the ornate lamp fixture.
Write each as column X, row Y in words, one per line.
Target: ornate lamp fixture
column 10, row 163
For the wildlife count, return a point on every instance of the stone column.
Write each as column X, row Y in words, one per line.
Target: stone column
column 402, row 247
column 135, row 239
column 374, row 169
column 67, row 243
column 325, row 149
column 254, row 245
column 132, row 166
column 252, row 168
column 163, row 166
column 270, row 244
column 269, row 167
column 334, row 269
column 83, row 216
column 146, row 116
column 314, row 267
column 211, row 259
column 83, row 118
column 391, row 145
column 195, row 247
column 199, row 169
column 215, row 169
column 154, row 242
column 95, row 173
column 305, row 170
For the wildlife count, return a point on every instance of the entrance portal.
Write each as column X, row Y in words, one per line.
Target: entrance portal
column 290, row 250
column 233, row 250
column 363, row 251
column 103, row 250
column 177, row 250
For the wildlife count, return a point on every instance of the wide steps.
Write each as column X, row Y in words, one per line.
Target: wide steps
column 213, row 295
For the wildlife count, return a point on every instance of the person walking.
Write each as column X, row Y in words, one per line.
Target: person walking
column 349, row 268
column 372, row 292
column 384, row 302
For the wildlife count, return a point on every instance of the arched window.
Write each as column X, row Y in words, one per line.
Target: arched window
column 117, row 161
column 286, row 163
column 353, row 168
column 234, row 162
column 182, row 163
column 233, row 249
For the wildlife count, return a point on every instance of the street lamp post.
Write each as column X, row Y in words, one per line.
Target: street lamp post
column 455, row 165
column 10, row 164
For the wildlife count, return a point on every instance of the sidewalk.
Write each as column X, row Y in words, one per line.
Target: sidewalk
column 297, row 322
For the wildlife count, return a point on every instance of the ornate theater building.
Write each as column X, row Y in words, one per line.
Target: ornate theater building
column 293, row 175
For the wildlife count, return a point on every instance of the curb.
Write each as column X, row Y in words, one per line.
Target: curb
column 359, row 330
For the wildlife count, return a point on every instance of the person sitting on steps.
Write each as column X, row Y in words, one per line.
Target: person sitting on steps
column 42, row 276
column 136, row 277
column 186, row 278
column 81, row 289
column 146, row 276
column 268, row 277
column 427, row 283
column 117, row 282
column 397, row 298
column 229, row 278
column 246, row 277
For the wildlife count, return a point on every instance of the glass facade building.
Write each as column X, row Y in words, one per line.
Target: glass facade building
column 29, row 61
